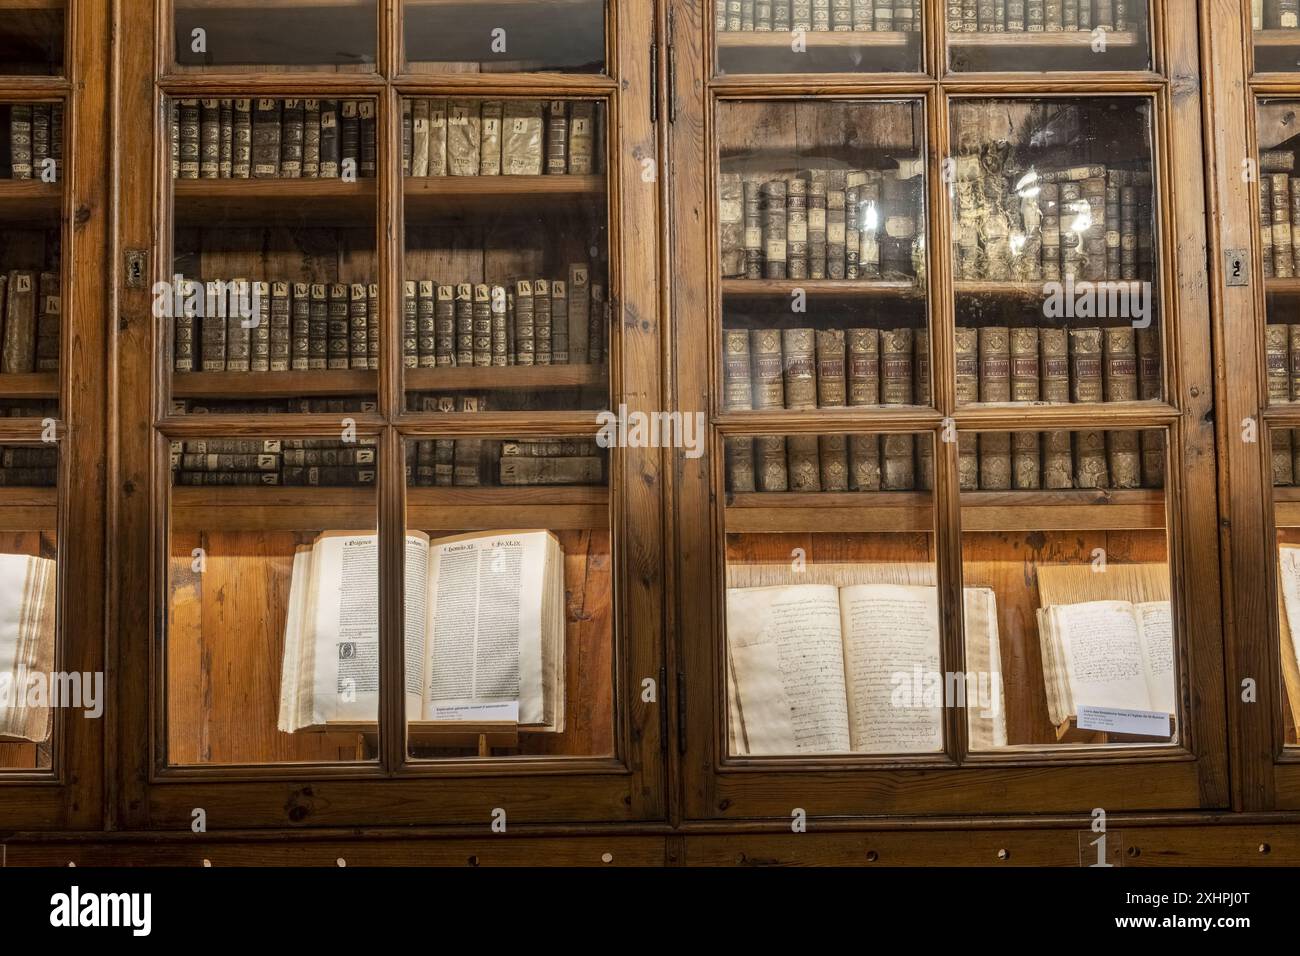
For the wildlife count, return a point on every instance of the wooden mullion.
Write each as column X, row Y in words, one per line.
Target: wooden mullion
column 198, row 85
column 505, row 85
column 880, row 420
column 1088, row 416
column 496, row 424
column 821, row 86
column 328, row 425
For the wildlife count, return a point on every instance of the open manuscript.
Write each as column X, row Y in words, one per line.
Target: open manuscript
column 834, row 667
column 484, row 632
column 1107, row 641
column 27, row 606
column 1289, row 598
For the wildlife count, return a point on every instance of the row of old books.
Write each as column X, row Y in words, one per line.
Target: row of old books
column 472, row 462
column 986, row 461
column 499, row 138
column 1275, row 14
column 1087, row 222
column 1282, row 364
column 28, row 466
column 838, row 16
column 290, row 461
column 835, row 368
column 824, row 224
column 1279, row 214
column 31, row 309
column 273, row 139
column 35, row 141
column 524, row 322
column 1039, row 16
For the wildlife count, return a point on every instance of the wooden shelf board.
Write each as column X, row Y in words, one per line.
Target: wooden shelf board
column 1277, row 37
column 1054, row 40
column 431, row 195
column 277, row 508
column 29, row 509
column 1290, row 286
column 7, row 5
column 1030, row 289
column 778, row 512
column 816, row 39
column 254, row 385
column 222, row 202
column 29, row 385
column 30, row 200
column 509, row 377
column 834, row 288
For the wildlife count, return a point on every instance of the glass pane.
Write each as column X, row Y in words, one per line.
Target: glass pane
column 509, row 598
column 1047, row 35
column 1065, row 561
column 1276, row 25
column 272, row 601
column 502, row 36
column 822, row 241
column 336, row 34
column 273, row 270
column 824, row 627
column 818, row 36
column 1279, row 218
column 31, row 211
column 506, row 293
column 32, row 691
column 31, row 38
column 1285, row 445
column 1055, row 252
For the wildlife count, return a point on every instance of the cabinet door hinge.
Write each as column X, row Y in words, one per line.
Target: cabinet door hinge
column 681, row 713
column 654, row 82
column 671, row 84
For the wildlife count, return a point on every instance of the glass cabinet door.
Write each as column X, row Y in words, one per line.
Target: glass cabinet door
column 505, row 36
column 275, row 35
column 32, row 37
column 818, row 36
column 944, row 525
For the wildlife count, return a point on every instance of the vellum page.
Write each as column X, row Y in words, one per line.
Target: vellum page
column 986, row 719
column 295, row 707
column 343, row 622
column 485, row 627
column 1289, row 599
column 1157, row 627
column 1103, row 655
column 788, row 660
column 27, row 620
column 889, row 631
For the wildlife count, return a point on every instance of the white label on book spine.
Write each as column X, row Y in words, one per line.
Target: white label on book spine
column 1118, row 720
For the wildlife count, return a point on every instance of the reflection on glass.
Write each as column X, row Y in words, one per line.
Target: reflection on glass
column 272, row 601
column 822, row 245
column 509, row 630
column 31, row 38
column 804, row 36
column 1279, row 219
column 1276, row 26
column 31, row 691
column 340, row 34
column 504, row 36
column 506, row 296
column 1286, row 512
column 1054, row 251
column 1033, row 35
column 1077, row 622
column 832, row 637
column 274, row 294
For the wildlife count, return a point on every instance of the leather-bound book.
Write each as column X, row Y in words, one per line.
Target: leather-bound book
column 1025, row 371
column 1090, row 470
column 995, row 461
column 464, row 325
column 967, row 365
column 769, row 463
column 299, row 326
column 579, row 313
column 767, row 370
column 1086, row 378
column 491, row 117
column 830, row 369
column 740, row 463
column 995, row 364
column 266, row 139
column 242, row 151
column 339, row 342
column 209, row 138
column 737, row 386
column 834, row 456
column 542, row 324
column 318, row 328
column 799, row 350
column 803, row 463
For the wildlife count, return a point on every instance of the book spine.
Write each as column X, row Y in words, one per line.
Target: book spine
column 368, row 148
column 358, row 326
column 410, row 325
column 995, row 461
column 968, row 461
column 579, row 314
column 800, row 384
column 970, row 18
column 1049, row 203
column 582, row 140
column 1105, row 18
column 408, row 136
column 853, row 231
column 542, row 324
column 482, row 327
column 967, row 365
column 330, row 143
column 1015, row 16
column 189, row 138
column 1025, row 372
column 464, row 138
column 995, row 364
column 1025, row 461
column 596, row 342
column 557, row 138
column 266, row 139
column 48, row 321
column 300, row 327
column 372, row 326
column 281, row 331
column 225, row 138
column 318, row 325
column 738, row 394
column 863, row 19
column 19, row 352
column 350, row 138
column 781, row 16
column 551, row 471
column 209, row 139
column 796, row 228
column 1286, row 15
column 864, row 463
column 1034, row 16
column 292, row 137
column 1121, row 365
column 767, row 371
column 174, row 114
column 1128, row 232
column 1058, row 465
column 803, row 463
column 800, row 16
column 242, row 148
column 40, row 138
column 816, row 229
column 868, row 228
column 753, row 235
column 774, row 229
column 490, row 120
column 1114, row 260
column 499, row 321
column 1090, row 470
column 464, row 353
column 338, row 349
column 836, row 217
column 862, row 385
column 896, row 366
column 436, row 318
column 740, row 464
column 259, row 336
column 525, row 325
column 559, row 322
column 438, row 138
column 769, row 463
column 841, row 17
column 523, row 148
column 212, row 331
column 420, row 138
column 311, row 139
column 921, row 367
column 1086, row 365
column 831, row 385
column 239, row 323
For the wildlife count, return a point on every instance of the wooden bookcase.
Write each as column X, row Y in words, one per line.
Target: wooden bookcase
column 646, row 770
